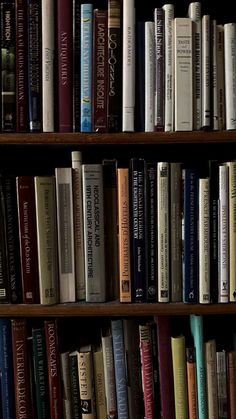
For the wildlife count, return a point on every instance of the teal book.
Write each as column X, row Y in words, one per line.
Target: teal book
column 196, row 326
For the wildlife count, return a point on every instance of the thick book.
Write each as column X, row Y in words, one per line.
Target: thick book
column 48, row 52
column 86, row 383
column 6, row 370
column 179, row 375
column 8, row 71
column 28, row 238
column 94, row 249
column 22, row 117
column 46, row 223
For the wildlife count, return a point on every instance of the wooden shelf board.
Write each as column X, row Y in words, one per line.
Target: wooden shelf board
column 113, row 309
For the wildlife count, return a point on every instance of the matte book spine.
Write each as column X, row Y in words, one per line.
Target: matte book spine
column 6, row 368
column 159, row 95
column 179, row 374
column 147, row 370
column 22, row 117
column 76, row 64
column 4, row 273
column 230, row 81
column 151, row 219
column 74, row 383
column 48, row 47
column 191, row 382
column 149, row 71
column 109, row 376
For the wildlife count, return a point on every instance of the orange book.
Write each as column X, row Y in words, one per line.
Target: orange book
column 191, row 383
column 231, row 374
column 124, row 235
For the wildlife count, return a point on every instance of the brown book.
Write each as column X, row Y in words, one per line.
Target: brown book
column 191, row 382
column 65, row 65
column 22, row 123
column 100, row 53
column 28, row 238
column 54, row 375
column 23, row 399
column 231, row 374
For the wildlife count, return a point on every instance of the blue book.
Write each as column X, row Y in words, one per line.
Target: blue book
column 196, row 326
column 120, row 368
column 86, row 67
column 6, row 371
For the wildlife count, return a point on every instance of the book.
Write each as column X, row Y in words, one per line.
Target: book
column 221, row 371
column 206, row 73
column 223, row 234
column 93, row 210
column 74, row 383
column 159, row 91
column 66, row 385
column 4, row 271
column 169, row 66
column 109, row 374
column 231, row 381
column 99, row 382
column 191, row 382
column 179, row 375
column 211, row 378
column 86, row 383
column 232, row 230
column 22, row 121
column 221, row 76
column 48, row 47
column 6, row 370
column 76, row 36
column 204, row 241
column 147, row 370
column 150, row 190
column 230, row 84
column 149, row 76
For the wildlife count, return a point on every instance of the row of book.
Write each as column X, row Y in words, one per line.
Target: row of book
column 152, row 231
column 131, row 368
column 72, row 57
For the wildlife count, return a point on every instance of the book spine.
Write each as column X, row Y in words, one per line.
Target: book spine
column 211, row 379
column 214, row 198
column 76, row 64
column 28, row 241
column 128, row 82
column 40, row 373
column 180, row 380
column 47, row 11
column 231, row 374
column 169, row 66
column 151, row 212
column 34, row 65
column 65, row 65
column 155, row 367
column 147, row 370
column 53, row 364
column 100, row 54
column 94, row 249
column 12, row 234
column 137, row 169
column 86, row 67
column 23, row 401
column 78, row 224
column 204, row 241
column 222, row 384
column 86, row 383
column 232, row 230
column 221, row 76
column 230, row 76
column 206, row 72
column 159, row 92
column 149, row 76
column 191, row 382
column 120, row 370
column 114, row 66
column 22, row 123
column 109, row 376
column 183, row 58
column 45, row 202
column 65, row 231
column 4, row 271
column 140, row 78
column 99, row 382
column 66, row 385
column 124, row 235
column 223, row 239
column 214, row 72
column 163, row 231
column 194, row 12
column 6, row 367
column 74, row 378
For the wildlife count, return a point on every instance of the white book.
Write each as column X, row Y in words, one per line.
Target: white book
column 128, row 65
column 204, row 241
column 149, row 76
column 94, row 249
column 194, row 12
column 48, row 36
column 223, row 285
column 206, row 72
column 65, row 231
column 232, row 230
column 221, row 76
column 78, row 224
column 230, row 74
column 214, row 70
column 163, row 231
column 183, row 58
column 169, row 66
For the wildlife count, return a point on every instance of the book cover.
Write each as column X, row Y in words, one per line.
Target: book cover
column 179, row 375
column 7, row 383
column 22, row 117
column 47, row 54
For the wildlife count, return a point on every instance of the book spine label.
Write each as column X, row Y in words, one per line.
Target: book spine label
column 47, row 12
column 109, row 375
column 86, row 67
column 6, row 367
column 34, row 65
column 204, row 241
column 76, row 65
column 223, row 238
column 230, row 76
column 28, row 241
column 147, row 370
column 114, row 66
column 159, row 93
column 206, row 72
column 149, row 76
column 93, row 205
column 212, row 398
column 40, row 372
column 8, row 89
column 151, row 214
column 128, row 79
column 22, row 124
column 100, row 54
column 169, row 66
column 53, row 364
column 65, row 66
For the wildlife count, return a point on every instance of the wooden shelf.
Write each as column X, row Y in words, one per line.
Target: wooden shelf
column 113, row 309
column 184, row 137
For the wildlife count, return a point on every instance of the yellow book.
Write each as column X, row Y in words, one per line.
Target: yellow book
column 180, row 377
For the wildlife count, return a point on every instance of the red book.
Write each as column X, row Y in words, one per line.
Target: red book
column 147, row 370
column 54, row 376
column 28, row 238
column 22, row 123
column 23, row 399
column 65, row 65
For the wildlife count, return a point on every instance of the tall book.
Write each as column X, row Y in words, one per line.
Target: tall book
column 196, row 326
column 76, row 64
column 46, row 223
column 180, row 378
column 4, row 271
column 86, row 67
column 215, row 78
column 124, row 235
column 65, row 231
column 191, row 382
column 74, row 383
column 114, row 66
column 28, row 238
column 22, row 124
column 230, row 82
column 169, row 66
column 66, row 385
column 78, row 224
column 65, row 65
column 223, row 235
column 221, row 76
column 221, row 370
column 6, row 370
column 211, row 378
column 86, row 383
column 109, row 374
column 206, row 72
column 231, row 381
column 149, row 76
column 151, row 220
column 8, row 71
column 214, row 227
column 48, row 30
column 147, row 370
column 99, row 383
column 204, row 240
column 94, row 249
column 128, row 61
column 140, row 77
column 232, row 230
column 159, row 91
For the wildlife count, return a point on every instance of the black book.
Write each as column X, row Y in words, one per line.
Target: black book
column 4, row 274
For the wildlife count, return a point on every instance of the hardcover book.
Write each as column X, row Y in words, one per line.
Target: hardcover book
column 22, row 116
column 6, row 370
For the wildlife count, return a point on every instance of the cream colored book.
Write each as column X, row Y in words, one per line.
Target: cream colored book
column 86, row 383
column 48, row 36
column 99, row 383
column 232, row 230
column 204, row 241
column 180, row 376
